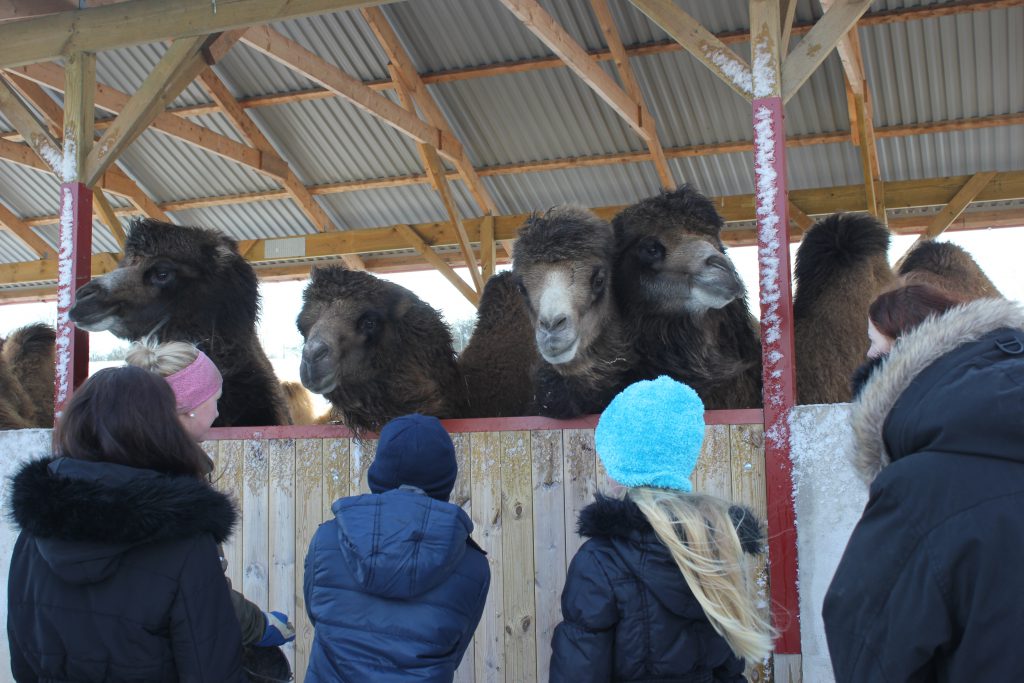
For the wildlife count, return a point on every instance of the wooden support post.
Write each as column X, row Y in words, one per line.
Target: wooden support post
column 487, row 253
column 772, row 207
column 106, row 214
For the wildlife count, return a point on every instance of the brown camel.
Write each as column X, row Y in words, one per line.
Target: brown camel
column 948, row 267
column 28, row 355
column 300, row 403
column 190, row 284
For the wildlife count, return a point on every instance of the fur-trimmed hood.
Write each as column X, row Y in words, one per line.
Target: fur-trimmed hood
column 85, row 515
column 941, row 377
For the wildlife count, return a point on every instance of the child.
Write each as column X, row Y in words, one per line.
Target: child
column 661, row 590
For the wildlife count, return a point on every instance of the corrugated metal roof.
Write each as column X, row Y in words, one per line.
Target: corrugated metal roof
column 936, row 69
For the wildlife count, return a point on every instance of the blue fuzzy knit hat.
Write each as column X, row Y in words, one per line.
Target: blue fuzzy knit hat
column 651, row 434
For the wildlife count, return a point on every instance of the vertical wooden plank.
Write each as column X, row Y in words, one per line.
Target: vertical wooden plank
column 281, row 580
column 337, row 473
column 517, row 561
column 363, row 453
column 713, row 473
column 602, row 482
column 462, row 495
column 486, row 487
column 255, row 523
column 309, row 505
column 789, row 669
column 579, row 483
column 749, row 488
column 548, row 540
column 228, row 478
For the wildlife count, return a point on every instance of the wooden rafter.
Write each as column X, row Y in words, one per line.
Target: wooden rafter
column 413, row 239
column 488, row 255
column 32, row 130
column 436, row 173
column 289, row 53
column 798, row 218
column 11, row 10
column 79, row 118
column 50, row 111
column 812, row 49
column 949, row 213
column 402, row 62
column 700, row 43
column 114, row 101
column 622, row 65
column 217, row 90
column 103, row 208
column 17, row 227
column 787, row 13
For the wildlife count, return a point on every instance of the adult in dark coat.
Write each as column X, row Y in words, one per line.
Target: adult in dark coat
column 115, row 575
column 394, row 584
column 929, row 587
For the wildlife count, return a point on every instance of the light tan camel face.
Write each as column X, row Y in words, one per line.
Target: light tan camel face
column 569, row 304
column 677, row 271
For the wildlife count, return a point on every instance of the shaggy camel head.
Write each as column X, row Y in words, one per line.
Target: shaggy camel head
column 669, row 257
column 172, row 278
column 359, row 328
column 563, row 265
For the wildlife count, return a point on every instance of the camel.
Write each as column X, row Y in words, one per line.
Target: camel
column 13, row 399
column 841, row 266
column 28, row 355
column 563, row 262
column 683, row 304
column 948, row 267
column 300, row 404
column 190, row 284
column 376, row 351
column 497, row 363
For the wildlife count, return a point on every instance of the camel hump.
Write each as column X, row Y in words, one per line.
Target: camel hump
column 841, row 240
column 28, row 342
column 948, row 266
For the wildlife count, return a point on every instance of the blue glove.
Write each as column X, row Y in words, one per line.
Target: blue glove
column 278, row 632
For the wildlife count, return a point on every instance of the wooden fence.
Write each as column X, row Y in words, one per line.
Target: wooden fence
column 522, row 481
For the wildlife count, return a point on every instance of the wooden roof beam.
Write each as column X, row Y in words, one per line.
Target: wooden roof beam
column 17, row 227
column 700, row 43
column 216, row 88
column 430, row 256
column 32, row 130
column 787, row 13
column 103, row 209
column 812, row 49
column 114, row 101
column 289, row 53
column 628, row 78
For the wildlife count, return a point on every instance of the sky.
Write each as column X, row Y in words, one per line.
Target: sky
column 998, row 251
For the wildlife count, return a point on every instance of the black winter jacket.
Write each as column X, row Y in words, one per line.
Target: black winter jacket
column 931, row 586
column 629, row 614
column 115, row 577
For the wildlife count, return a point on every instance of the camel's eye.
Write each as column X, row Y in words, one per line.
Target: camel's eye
column 597, row 280
column 369, row 323
column 161, row 275
column 521, row 287
column 650, row 250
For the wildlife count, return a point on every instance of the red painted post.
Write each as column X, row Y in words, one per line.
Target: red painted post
column 771, row 201
column 74, row 268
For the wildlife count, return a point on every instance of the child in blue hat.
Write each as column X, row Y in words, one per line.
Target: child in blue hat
column 661, row 590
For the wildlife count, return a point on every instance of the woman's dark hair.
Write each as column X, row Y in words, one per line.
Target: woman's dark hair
column 900, row 310
column 127, row 416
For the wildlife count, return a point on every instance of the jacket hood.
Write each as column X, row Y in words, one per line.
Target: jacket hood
column 401, row 543
column 945, row 386
column 623, row 523
column 85, row 515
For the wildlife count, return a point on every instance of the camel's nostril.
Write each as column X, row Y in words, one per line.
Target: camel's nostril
column 554, row 324
column 314, row 351
column 86, row 291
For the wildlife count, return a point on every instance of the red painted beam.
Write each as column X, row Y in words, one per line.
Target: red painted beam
column 771, row 202
column 73, row 270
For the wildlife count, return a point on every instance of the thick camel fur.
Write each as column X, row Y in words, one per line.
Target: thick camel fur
column 376, row 351
column 683, row 304
column 190, row 284
column 28, row 354
column 841, row 266
column 300, row 403
column 498, row 362
column 949, row 267
column 563, row 264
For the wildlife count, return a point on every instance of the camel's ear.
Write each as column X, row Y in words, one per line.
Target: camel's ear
column 225, row 253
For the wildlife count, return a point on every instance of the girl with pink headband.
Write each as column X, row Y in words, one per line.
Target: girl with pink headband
column 196, row 382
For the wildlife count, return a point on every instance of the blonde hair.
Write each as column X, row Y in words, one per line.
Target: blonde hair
column 163, row 359
column 700, row 535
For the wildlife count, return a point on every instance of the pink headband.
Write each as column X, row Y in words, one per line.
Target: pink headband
column 195, row 384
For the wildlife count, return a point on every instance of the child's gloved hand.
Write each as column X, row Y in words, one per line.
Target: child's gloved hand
column 278, row 632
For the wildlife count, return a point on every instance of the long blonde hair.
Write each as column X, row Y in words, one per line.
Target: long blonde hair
column 163, row 359
column 700, row 535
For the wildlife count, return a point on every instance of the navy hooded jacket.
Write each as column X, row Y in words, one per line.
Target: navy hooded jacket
column 115, row 577
column 931, row 586
column 395, row 587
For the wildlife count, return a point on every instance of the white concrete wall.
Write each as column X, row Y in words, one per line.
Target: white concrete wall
column 16, row 447
column 829, row 499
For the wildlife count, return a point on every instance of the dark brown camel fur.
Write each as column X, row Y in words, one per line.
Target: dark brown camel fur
column 28, row 354
column 841, row 266
column 948, row 267
column 497, row 363
column 683, row 304
column 13, row 399
column 190, row 284
column 563, row 263
column 376, row 351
